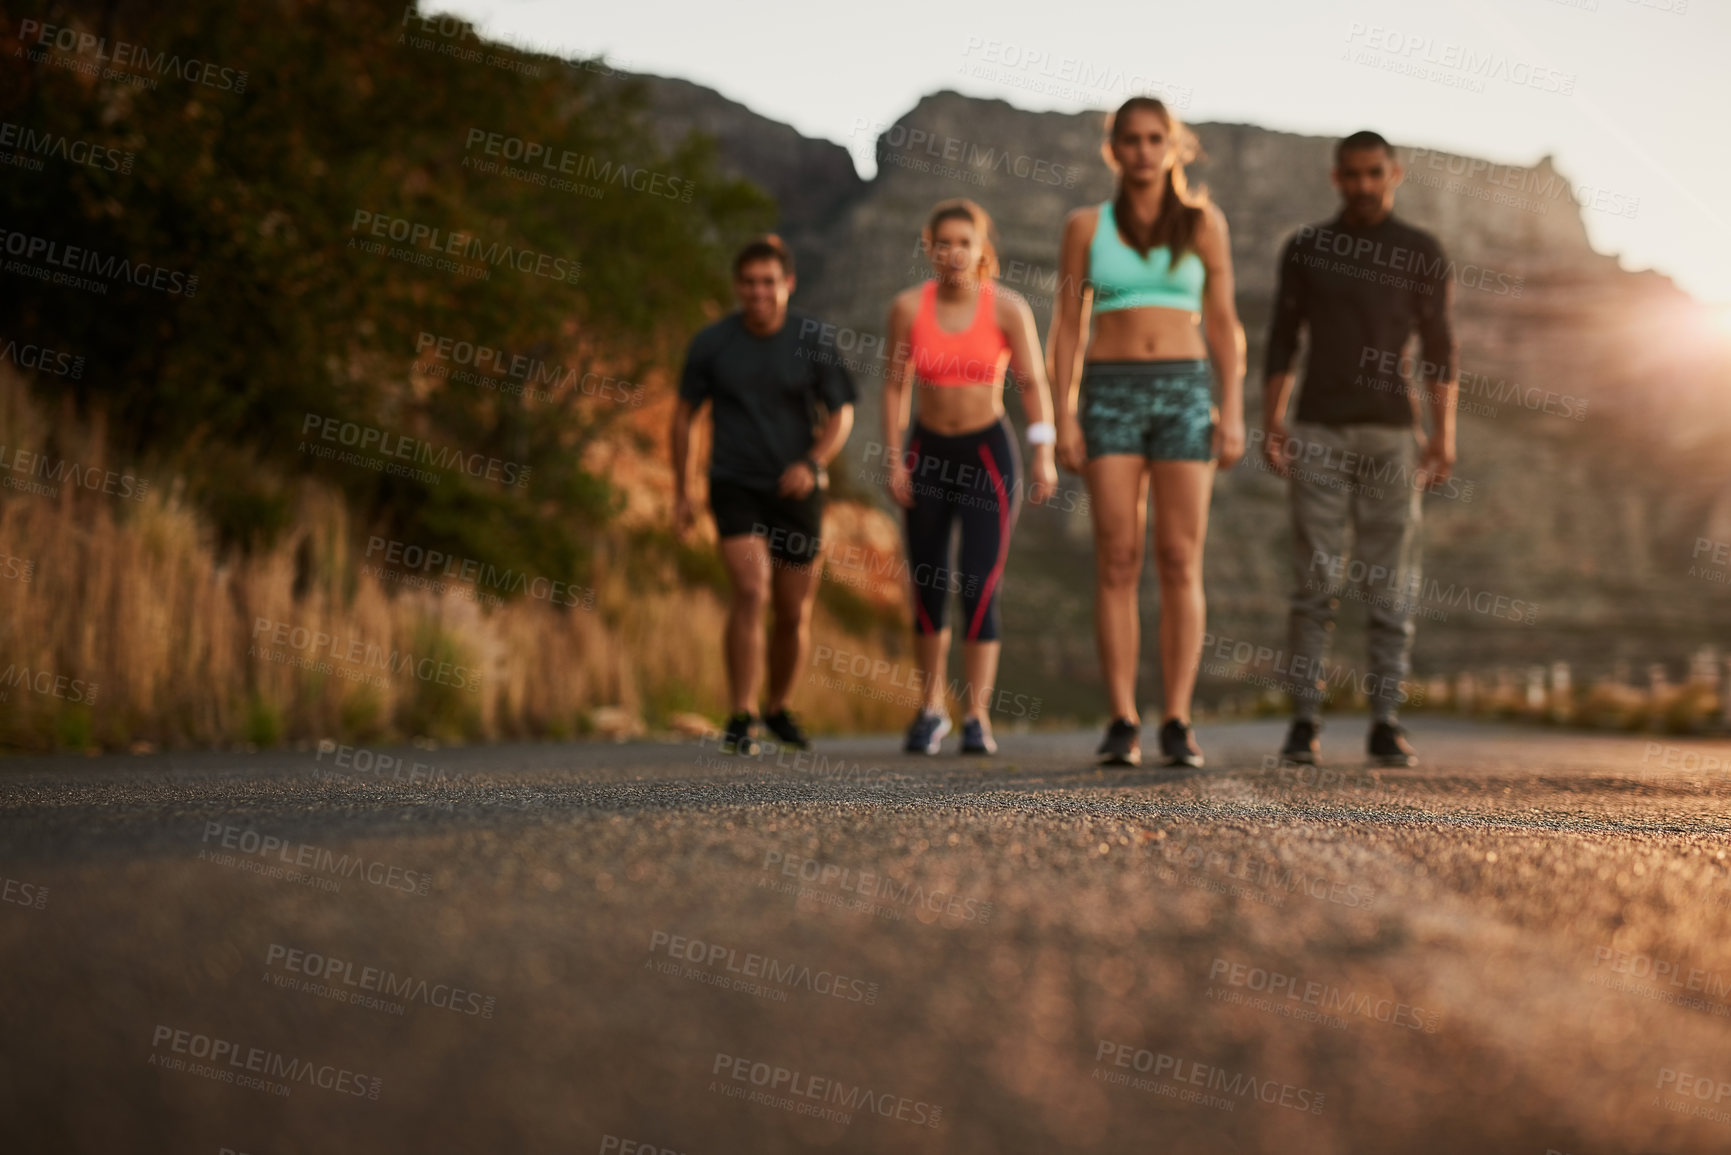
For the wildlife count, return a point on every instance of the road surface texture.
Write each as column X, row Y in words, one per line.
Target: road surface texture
column 1523, row 945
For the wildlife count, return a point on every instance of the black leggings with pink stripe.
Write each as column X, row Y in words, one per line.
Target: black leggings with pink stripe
column 971, row 479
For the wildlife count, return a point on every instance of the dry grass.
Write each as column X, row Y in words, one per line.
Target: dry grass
column 133, row 599
column 1607, row 704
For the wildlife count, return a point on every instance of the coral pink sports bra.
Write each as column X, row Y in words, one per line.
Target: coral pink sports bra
column 975, row 356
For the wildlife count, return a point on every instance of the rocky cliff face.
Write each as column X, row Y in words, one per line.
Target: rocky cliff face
column 1587, row 508
column 809, row 179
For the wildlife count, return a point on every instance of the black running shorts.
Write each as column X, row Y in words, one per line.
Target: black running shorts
column 791, row 526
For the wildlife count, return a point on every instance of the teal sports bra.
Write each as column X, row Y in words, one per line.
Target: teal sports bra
column 1124, row 279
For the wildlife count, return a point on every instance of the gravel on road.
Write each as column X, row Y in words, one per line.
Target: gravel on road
column 1521, row 945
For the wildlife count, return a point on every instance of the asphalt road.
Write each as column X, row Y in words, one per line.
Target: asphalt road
column 1523, row 945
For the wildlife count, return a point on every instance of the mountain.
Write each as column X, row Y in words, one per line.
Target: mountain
column 1591, row 402
column 810, row 179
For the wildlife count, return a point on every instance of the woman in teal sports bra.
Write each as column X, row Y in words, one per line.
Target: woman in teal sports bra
column 1146, row 320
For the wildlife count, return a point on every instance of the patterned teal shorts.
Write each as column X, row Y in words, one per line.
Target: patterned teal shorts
column 1160, row 410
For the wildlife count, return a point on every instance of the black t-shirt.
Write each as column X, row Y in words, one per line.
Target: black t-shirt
column 1362, row 292
column 765, row 392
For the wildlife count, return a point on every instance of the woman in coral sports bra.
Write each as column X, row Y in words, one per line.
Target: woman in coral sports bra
column 951, row 339
column 1154, row 266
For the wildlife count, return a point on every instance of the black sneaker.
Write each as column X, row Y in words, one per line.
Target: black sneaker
column 1178, row 745
column 737, row 739
column 1388, row 746
column 1303, row 745
column 1122, row 745
column 782, row 725
column 926, row 735
column 975, row 740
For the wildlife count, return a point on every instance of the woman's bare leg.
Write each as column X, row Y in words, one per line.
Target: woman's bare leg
column 932, row 658
column 980, row 664
column 1182, row 490
column 1118, row 499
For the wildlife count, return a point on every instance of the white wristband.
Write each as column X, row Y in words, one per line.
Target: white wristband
column 1042, row 433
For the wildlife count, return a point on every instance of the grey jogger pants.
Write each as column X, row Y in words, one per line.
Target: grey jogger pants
column 1355, row 526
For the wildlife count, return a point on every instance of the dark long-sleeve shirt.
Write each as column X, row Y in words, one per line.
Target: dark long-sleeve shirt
column 1362, row 292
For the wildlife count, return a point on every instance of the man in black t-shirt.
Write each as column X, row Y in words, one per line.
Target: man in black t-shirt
column 783, row 408
column 1362, row 284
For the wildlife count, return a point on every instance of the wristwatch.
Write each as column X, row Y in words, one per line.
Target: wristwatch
column 818, row 472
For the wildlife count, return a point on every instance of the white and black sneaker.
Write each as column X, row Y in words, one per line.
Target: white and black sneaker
column 976, row 739
column 1122, row 745
column 1387, row 746
column 1303, row 743
column 737, row 739
column 786, row 727
column 926, row 735
column 1178, row 744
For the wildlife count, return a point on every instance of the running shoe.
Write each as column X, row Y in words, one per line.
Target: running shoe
column 1303, row 744
column 975, row 740
column 1388, row 746
column 1178, row 744
column 783, row 726
column 737, row 738
column 1122, row 745
column 926, row 735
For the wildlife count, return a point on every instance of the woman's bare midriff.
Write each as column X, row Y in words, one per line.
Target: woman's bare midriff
column 951, row 410
column 1152, row 333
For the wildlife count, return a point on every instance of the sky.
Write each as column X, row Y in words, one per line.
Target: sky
column 1627, row 96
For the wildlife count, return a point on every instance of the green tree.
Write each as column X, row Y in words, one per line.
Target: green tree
column 252, row 184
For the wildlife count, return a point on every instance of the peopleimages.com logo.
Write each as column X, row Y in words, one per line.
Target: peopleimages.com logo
column 1037, row 69
column 873, row 885
column 379, row 764
column 43, row 474
column 306, row 856
column 372, row 439
column 1427, row 269
column 21, row 893
column 1272, row 877
column 616, row 1145
column 898, row 142
column 329, row 970
column 42, row 359
column 1189, row 1072
column 428, row 568
column 231, row 1062
column 1529, row 189
column 437, row 241
column 28, row 144
column 1673, row 972
column 47, row 683
column 56, row 255
column 1325, row 996
column 532, row 377
column 1395, row 372
column 363, row 653
column 121, row 52
column 754, row 970
column 358, row 764
column 801, row 1092
column 916, row 681
column 449, row 36
column 1460, row 65
column 1688, row 1085
column 576, row 164
column 1408, row 589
